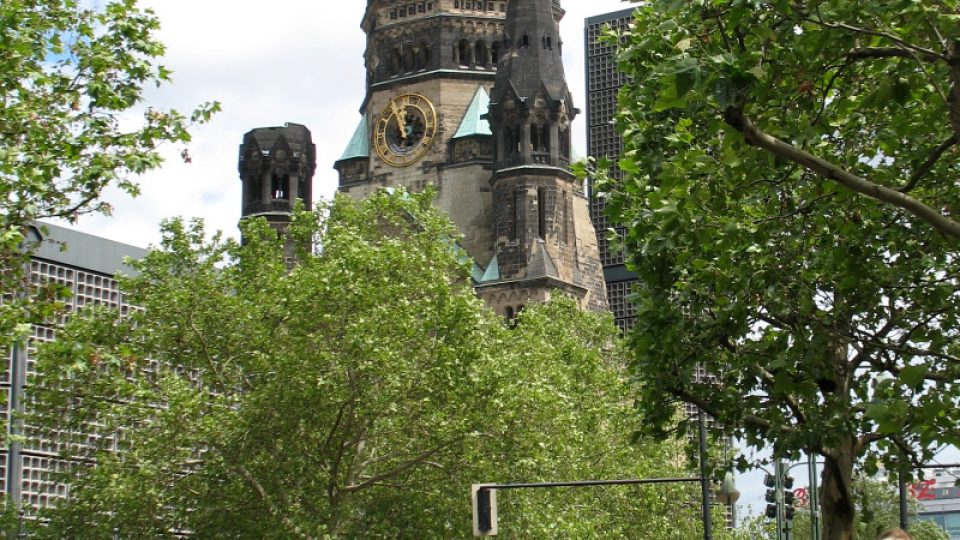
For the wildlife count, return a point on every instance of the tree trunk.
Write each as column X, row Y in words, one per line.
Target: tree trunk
column 836, row 502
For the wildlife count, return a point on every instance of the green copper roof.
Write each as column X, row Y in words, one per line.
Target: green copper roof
column 477, row 273
column 493, row 271
column 359, row 146
column 472, row 123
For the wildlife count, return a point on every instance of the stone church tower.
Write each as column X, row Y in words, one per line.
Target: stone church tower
column 276, row 168
column 470, row 96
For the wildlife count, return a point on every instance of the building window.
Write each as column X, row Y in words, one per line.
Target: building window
column 464, row 53
column 495, row 53
column 542, row 213
column 278, row 186
column 423, row 56
column 395, row 61
column 481, row 53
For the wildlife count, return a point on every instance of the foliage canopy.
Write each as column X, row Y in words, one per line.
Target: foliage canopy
column 358, row 393
column 789, row 202
column 69, row 74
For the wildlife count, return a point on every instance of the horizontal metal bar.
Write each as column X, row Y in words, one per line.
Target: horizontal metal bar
column 587, row 483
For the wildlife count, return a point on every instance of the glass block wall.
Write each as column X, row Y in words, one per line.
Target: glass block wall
column 603, row 140
column 85, row 266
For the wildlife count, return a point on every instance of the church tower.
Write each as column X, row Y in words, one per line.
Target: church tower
column 545, row 240
column 430, row 66
column 470, row 96
column 276, row 168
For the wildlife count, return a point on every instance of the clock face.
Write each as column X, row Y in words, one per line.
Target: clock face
column 405, row 130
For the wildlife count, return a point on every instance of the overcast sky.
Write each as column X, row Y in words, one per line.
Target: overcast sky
column 268, row 63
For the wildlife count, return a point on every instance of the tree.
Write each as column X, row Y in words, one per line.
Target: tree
column 68, row 73
column 357, row 394
column 878, row 509
column 789, row 200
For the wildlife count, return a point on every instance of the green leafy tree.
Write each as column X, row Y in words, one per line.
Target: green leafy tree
column 789, row 207
column 357, row 394
column 878, row 510
column 69, row 74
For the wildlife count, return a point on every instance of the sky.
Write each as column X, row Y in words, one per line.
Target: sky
column 267, row 63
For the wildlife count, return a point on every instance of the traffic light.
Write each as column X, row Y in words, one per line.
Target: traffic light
column 788, row 509
column 785, row 487
column 771, row 496
column 484, row 510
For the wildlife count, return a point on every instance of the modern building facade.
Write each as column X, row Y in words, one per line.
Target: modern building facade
column 603, row 140
column 85, row 265
column 940, row 500
column 471, row 98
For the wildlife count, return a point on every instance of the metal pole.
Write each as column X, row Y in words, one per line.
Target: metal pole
column 704, row 480
column 778, row 495
column 902, row 484
column 814, row 497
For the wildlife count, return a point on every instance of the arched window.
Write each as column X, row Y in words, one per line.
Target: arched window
column 565, row 144
column 394, row 63
column 423, row 56
column 512, row 142
column 542, row 213
column 525, row 41
column 548, row 42
column 408, row 59
column 495, row 53
column 481, row 55
column 519, row 200
column 279, row 186
column 464, row 53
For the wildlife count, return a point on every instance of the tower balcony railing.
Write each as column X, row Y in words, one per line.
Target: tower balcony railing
column 536, row 158
column 275, row 205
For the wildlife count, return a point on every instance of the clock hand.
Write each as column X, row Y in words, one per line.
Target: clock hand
column 400, row 121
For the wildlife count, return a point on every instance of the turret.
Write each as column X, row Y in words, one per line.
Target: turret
column 531, row 107
column 544, row 239
column 276, row 167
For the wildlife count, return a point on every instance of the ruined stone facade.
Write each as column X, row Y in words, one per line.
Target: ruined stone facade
column 469, row 96
column 276, row 167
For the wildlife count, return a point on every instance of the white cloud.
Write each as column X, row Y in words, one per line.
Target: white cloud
column 267, row 63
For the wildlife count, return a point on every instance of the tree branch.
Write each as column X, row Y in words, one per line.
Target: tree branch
column 405, row 466
column 928, row 164
column 280, row 513
column 753, row 135
column 953, row 100
column 905, row 46
column 861, row 53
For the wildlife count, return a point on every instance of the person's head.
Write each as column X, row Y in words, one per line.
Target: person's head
column 895, row 534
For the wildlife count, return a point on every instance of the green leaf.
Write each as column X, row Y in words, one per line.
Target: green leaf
column 913, row 376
